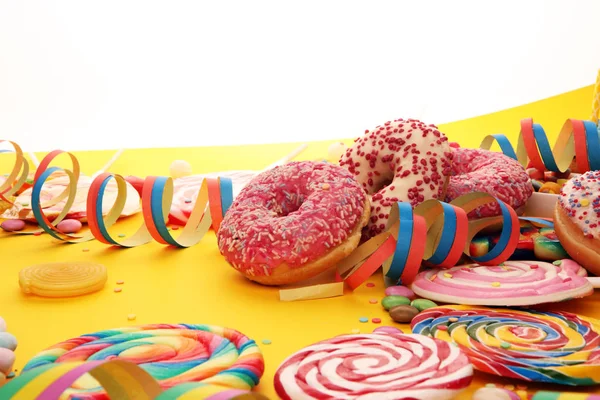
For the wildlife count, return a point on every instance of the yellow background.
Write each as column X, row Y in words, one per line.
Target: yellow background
column 196, row 285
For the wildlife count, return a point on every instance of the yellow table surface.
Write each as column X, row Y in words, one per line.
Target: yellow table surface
column 196, row 285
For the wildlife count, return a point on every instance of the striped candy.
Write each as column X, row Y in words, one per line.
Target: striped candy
column 536, row 346
column 171, row 354
column 374, row 366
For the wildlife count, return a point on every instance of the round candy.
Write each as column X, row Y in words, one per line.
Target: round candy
column 515, row 283
column 13, row 225
column 422, row 304
column 400, row 291
column 553, row 347
column 374, row 366
column 7, row 360
column 389, row 302
column 403, row 314
column 62, row 279
column 179, row 169
column 69, row 226
column 172, row 354
column 8, row 341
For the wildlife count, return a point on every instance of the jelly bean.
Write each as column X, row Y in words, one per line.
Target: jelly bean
column 550, row 187
column 404, row 313
column 7, row 360
column 400, row 291
column 423, row 304
column 392, row 301
column 13, row 225
column 69, row 226
column 8, row 341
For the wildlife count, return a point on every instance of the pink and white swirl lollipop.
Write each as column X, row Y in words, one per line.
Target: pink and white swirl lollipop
column 375, row 366
column 514, row 283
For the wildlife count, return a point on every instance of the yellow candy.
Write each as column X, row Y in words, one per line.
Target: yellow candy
column 550, row 187
column 584, row 202
column 62, row 279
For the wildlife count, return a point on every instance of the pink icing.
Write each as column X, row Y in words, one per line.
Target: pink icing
column 586, row 214
column 292, row 214
column 401, row 160
column 478, row 170
column 517, row 279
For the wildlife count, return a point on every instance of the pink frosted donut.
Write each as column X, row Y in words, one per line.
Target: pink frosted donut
column 401, row 160
column 478, row 170
column 293, row 222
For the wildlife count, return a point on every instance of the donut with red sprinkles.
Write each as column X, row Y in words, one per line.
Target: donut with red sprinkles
column 401, row 160
column 293, row 222
column 479, row 170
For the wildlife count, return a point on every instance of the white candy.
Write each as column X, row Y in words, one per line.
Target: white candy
column 335, row 151
column 179, row 169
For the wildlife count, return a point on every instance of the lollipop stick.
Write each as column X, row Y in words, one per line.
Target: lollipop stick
column 289, row 157
column 109, row 163
column 595, row 281
column 34, row 159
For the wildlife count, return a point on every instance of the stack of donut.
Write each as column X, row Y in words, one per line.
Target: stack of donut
column 297, row 220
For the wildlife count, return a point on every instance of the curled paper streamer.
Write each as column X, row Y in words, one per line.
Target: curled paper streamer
column 579, row 140
column 214, row 199
column 436, row 232
column 120, row 379
column 543, row 395
column 14, row 181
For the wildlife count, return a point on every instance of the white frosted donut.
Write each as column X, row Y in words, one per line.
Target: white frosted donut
column 401, row 160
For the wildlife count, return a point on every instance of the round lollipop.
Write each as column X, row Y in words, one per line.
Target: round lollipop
column 172, row 354
column 514, row 283
column 375, row 366
column 556, row 347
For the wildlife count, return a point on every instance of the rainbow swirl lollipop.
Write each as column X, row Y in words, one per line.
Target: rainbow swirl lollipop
column 535, row 346
column 172, row 354
column 376, row 366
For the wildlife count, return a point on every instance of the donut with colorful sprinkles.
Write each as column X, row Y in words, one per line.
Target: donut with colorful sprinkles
column 293, row 222
column 401, row 160
column 577, row 220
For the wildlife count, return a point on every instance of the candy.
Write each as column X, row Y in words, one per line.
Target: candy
column 495, row 394
column 179, row 169
column 8, row 341
column 403, row 313
column 69, row 226
column 534, row 244
column 2, row 325
column 172, row 354
column 423, row 304
column 550, row 187
column 7, row 360
column 62, row 279
column 374, row 366
column 400, row 291
column 515, row 283
column 553, row 347
column 389, row 302
column 13, row 225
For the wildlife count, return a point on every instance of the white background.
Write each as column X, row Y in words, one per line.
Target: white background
column 107, row 74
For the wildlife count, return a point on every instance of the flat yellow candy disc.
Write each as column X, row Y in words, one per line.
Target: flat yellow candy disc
column 62, row 279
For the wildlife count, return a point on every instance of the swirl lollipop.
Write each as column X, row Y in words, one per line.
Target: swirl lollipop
column 172, row 354
column 375, row 366
column 535, row 346
column 514, row 283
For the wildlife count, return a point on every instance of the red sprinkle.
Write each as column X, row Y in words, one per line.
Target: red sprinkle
column 376, row 320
